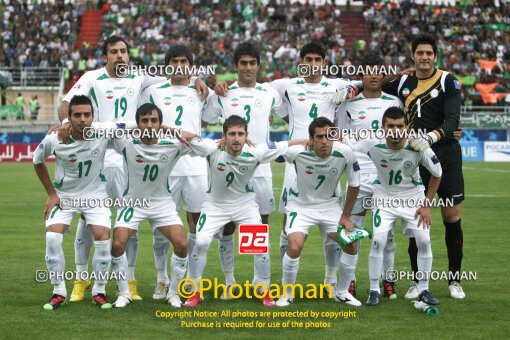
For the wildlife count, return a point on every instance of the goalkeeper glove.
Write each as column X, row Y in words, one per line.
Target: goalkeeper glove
column 424, row 142
column 341, row 95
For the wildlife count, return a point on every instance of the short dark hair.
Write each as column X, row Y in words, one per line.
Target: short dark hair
column 147, row 109
column 80, row 100
column 178, row 51
column 424, row 39
column 319, row 122
column 394, row 112
column 234, row 120
column 112, row 40
column 313, row 47
column 246, row 48
column 371, row 60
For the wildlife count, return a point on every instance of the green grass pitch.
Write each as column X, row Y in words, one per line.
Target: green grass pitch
column 484, row 313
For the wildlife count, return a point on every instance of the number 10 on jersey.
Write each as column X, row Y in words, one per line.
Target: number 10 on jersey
column 253, row 239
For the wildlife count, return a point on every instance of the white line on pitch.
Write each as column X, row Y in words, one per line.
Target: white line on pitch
column 486, row 169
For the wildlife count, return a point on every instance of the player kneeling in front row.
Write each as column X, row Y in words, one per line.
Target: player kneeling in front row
column 230, row 197
column 313, row 199
column 398, row 177
column 148, row 162
column 78, row 175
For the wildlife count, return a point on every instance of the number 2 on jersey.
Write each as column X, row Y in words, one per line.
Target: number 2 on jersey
column 179, row 110
column 122, row 105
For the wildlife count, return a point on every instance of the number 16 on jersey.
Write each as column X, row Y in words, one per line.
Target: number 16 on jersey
column 253, row 239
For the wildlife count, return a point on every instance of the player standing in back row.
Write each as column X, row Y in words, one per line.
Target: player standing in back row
column 432, row 101
column 361, row 114
column 255, row 102
column 182, row 108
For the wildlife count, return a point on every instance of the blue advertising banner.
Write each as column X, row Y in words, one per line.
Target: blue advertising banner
column 472, row 151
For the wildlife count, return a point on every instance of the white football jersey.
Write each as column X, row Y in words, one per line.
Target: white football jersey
column 182, row 108
column 317, row 179
column 365, row 114
column 148, row 166
column 255, row 104
column 306, row 101
column 113, row 99
column 78, row 167
column 397, row 170
column 230, row 176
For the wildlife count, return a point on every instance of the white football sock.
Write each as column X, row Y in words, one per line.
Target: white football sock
column 101, row 263
column 191, row 243
column 284, row 244
column 198, row 258
column 131, row 254
column 226, row 251
column 332, row 255
column 262, row 270
column 177, row 269
column 119, row 270
column 55, row 262
column 290, row 268
column 389, row 256
column 375, row 260
column 161, row 247
column 348, row 265
column 424, row 258
column 82, row 244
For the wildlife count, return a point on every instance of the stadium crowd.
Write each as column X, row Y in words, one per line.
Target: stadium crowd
column 45, row 35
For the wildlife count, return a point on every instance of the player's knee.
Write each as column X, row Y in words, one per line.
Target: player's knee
column 351, row 249
column 118, row 248
column 294, row 249
column 202, row 244
column 451, row 214
column 181, row 248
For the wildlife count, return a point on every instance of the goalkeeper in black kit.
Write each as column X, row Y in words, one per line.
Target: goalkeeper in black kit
column 432, row 102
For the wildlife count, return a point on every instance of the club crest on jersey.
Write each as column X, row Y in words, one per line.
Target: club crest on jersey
column 243, row 169
column 139, row 158
column 234, row 102
column 408, row 164
column 434, row 93
column 163, row 159
column 333, row 171
column 301, row 97
column 220, row 167
column 167, row 100
column 258, row 103
column 309, row 170
column 405, row 92
column 95, row 153
column 362, row 115
column 109, row 94
column 384, row 164
column 72, row 158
